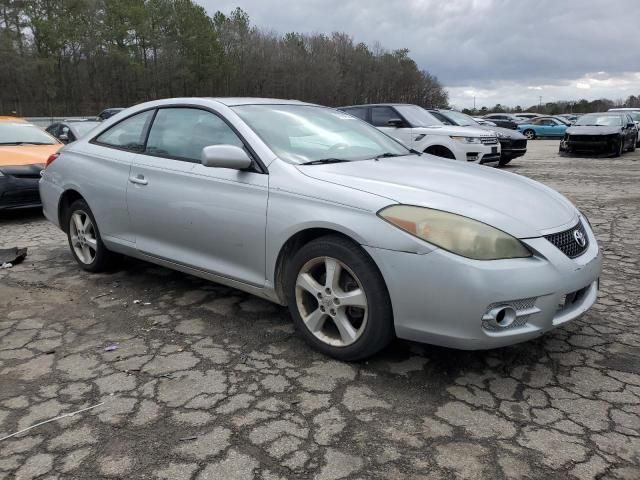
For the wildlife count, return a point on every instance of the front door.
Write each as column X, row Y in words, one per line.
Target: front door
column 380, row 117
column 211, row 219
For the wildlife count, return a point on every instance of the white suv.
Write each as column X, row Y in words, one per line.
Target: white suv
column 418, row 129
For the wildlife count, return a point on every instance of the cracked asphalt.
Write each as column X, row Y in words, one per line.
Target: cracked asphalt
column 211, row 383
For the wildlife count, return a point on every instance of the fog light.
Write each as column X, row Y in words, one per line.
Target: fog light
column 502, row 316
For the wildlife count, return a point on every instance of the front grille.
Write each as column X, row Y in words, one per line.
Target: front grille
column 489, row 140
column 519, row 144
column 567, row 241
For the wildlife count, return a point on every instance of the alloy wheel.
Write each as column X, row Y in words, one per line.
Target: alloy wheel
column 83, row 237
column 331, row 301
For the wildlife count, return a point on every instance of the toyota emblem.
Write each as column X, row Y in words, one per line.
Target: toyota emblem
column 580, row 238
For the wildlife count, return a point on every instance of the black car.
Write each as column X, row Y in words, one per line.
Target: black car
column 70, row 130
column 109, row 112
column 504, row 120
column 607, row 133
column 512, row 143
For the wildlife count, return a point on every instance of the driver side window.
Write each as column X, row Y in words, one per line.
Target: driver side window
column 380, row 116
column 182, row 133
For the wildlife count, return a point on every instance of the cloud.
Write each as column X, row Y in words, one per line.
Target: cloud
column 482, row 45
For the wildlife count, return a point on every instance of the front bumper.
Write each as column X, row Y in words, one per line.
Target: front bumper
column 512, row 148
column 602, row 144
column 443, row 299
column 478, row 153
column 19, row 187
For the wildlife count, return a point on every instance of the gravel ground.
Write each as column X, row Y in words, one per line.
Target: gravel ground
column 211, row 383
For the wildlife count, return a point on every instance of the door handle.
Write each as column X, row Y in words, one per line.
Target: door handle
column 138, row 180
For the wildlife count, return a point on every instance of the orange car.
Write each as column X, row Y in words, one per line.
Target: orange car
column 24, row 149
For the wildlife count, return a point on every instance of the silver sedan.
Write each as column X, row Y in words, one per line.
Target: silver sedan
column 312, row 208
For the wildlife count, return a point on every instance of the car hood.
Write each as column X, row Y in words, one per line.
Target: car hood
column 507, row 132
column 512, row 203
column 592, row 130
column 26, row 154
column 452, row 130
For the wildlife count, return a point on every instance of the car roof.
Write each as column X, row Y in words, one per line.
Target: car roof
column 236, row 101
column 379, row 105
column 8, row 118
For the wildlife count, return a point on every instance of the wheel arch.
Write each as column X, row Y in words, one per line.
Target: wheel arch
column 298, row 240
column 440, row 150
column 66, row 200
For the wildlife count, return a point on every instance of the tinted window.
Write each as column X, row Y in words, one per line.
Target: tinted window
column 360, row 112
column 129, row 133
column 183, row 133
column 380, row 116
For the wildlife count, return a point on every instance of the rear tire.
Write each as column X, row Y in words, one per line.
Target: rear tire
column 338, row 299
column 84, row 238
column 530, row 134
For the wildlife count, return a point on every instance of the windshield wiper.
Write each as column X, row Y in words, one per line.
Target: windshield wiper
column 324, row 161
column 391, row 155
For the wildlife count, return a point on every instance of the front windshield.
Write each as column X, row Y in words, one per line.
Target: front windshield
column 635, row 116
column 305, row 133
column 418, row 116
column 18, row 133
column 600, row 120
column 460, row 118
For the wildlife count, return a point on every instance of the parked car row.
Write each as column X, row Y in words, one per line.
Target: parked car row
column 364, row 238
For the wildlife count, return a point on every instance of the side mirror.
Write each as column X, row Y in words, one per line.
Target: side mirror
column 63, row 137
column 395, row 122
column 225, row 156
column 631, row 125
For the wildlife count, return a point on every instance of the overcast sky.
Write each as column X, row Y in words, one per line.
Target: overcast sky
column 500, row 51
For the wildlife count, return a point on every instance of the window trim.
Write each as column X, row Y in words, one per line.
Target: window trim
column 258, row 165
column 146, row 128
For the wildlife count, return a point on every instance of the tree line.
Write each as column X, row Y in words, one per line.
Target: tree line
column 563, row 106
column 76, row 57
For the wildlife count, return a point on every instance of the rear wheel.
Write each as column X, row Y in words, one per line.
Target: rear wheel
column 530, row 134
column 84, row 238
column 338, row 299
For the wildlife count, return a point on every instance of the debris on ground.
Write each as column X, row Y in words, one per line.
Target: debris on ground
column 11, row 256
column 111, row 348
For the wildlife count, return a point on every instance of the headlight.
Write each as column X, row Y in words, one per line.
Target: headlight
column 1, row 174
column 455, row 233
column 500, row 135
column 466, row 139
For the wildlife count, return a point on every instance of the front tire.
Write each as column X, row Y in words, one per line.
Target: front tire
column 504, row 161
column 338, row 299
column 84, row 238
column 619, row 148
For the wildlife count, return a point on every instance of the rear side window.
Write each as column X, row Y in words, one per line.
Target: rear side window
column 182, row 133
column 129, row 134
column 360, row 112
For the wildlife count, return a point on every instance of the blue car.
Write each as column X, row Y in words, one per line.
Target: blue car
column 543, row 127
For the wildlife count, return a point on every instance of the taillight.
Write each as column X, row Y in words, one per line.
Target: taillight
column 51, row 159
